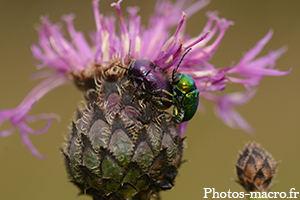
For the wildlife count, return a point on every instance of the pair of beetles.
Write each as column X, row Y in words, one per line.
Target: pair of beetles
column 181, row 91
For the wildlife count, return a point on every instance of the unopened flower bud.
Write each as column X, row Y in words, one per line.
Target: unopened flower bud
column 255, row 168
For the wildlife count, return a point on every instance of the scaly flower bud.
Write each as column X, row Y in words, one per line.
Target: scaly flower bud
column 120, row 145
column 255, row 168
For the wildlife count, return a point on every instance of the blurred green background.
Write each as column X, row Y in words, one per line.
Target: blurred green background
column 212, row 147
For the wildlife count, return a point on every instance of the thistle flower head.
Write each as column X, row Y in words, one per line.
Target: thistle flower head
column 255, row 168
column 120, row 146
column 80, row 60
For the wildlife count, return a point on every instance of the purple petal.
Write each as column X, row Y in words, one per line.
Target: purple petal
column 7, row 132
column 225, row 108
column 27, row 129
column 255, row 69
column 252, row 53
column 182, row 127
column 19, row 115
column 26, row 141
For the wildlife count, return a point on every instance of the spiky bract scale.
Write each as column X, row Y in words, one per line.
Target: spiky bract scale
column 120, row 146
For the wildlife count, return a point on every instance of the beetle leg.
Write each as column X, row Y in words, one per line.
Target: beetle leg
column 172, row 115
column 163, row 98
column 178, row 114
column 163, row 91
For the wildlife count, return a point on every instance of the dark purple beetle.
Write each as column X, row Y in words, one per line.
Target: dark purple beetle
column 151, row 80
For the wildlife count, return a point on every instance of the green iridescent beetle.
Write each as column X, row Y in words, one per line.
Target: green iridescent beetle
column 185, row 97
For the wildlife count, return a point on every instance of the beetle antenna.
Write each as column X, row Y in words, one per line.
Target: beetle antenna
column 127, row 56
column 175, row 70
column 129, row 52
column 121, row 67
